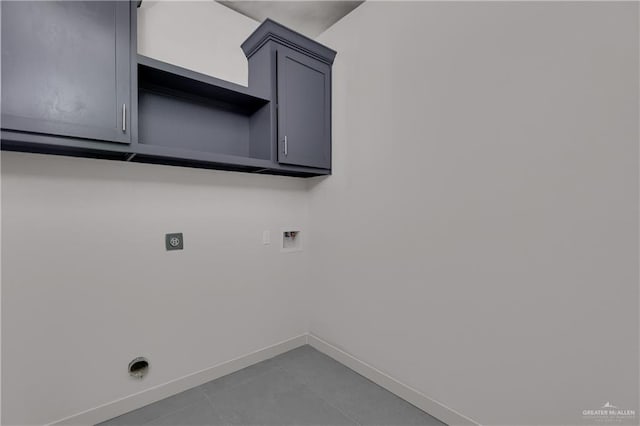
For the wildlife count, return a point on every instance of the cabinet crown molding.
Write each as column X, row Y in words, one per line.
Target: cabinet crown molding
column 270, row 30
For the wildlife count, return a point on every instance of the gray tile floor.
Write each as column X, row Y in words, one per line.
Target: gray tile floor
column 300, row 387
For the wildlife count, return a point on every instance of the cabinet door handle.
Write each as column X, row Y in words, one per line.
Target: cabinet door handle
column 124, row 117
column 286, row 147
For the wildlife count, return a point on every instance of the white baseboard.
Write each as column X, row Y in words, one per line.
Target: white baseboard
column 156, row 393
column 436, row 409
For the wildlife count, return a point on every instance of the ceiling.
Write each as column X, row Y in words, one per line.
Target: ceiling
column 310, row 18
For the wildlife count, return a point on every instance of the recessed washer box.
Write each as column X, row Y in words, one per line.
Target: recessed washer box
column 291, row 239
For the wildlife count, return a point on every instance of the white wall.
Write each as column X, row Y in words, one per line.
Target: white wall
column 86, row 282
column 478, row 239
column 199, row 35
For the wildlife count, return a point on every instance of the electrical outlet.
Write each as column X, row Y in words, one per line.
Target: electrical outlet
column 174, row 241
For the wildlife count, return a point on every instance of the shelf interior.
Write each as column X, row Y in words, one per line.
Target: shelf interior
column 181, row 109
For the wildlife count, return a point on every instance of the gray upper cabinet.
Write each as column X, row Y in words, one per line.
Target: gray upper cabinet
column 295, row 72
column 304, row 110
column 73, row 84
column 66, row 68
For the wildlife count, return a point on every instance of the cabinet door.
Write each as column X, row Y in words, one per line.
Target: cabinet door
column 66, row 68
column 304, row 110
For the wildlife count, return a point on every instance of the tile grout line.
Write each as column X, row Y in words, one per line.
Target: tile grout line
column 235, row 413
column 306, row 385
column 210, row 402
column 168, row 414
column 206, row 396
column 236, row 384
